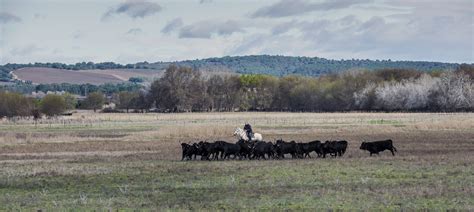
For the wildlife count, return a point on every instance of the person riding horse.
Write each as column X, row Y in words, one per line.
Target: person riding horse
column 248, row 130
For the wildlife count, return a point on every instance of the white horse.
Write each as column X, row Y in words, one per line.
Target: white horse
column 243, row 135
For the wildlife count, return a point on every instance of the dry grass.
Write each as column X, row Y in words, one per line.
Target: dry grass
column 132, row 161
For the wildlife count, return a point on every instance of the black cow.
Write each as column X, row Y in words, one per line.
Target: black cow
column 201, row 150
column 334, row 148
column 219, row 148
column 304, row 149
column 328, row 148
column 245, row 148
column 190, row 151
column 208, row 150
column 229, row 149
column 341, row 147
column 185, row 147
column 378, row 146
column 316, row 147
column 300, row 150
column 261, row 148
column 283, row 148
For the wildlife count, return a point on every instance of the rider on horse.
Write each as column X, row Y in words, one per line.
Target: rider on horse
column 248, row 130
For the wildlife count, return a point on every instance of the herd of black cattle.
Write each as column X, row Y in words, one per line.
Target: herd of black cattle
column 266, row 150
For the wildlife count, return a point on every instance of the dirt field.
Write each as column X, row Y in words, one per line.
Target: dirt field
column 110, row 161
column 125, row 74
column 96, row 77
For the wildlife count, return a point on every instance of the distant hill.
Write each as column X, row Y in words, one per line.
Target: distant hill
column 306, row 66
column 255, row 64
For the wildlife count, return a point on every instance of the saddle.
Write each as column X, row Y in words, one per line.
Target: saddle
column 250, row 136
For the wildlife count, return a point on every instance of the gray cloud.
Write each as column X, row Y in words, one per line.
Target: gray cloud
column 25, row 50
column 134, row 31
column 206, row 29
column 172, row 25
column 373, row 23
column 78, row 34
column 39, row 16
column 250, row 45
column 205, row 1
column 281, row 44
column 134, row 9
column 283, row 27
column 416, row 33
column 8, row 18
column 286, row 8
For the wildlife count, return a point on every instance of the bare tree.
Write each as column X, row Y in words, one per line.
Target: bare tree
column 408, row 94
column 453, row 91
column 365, row 98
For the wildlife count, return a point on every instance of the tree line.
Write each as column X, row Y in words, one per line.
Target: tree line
column 253, row 64
column 17, row 105
column 183, row 89
column 277, row 65
column 78, row 89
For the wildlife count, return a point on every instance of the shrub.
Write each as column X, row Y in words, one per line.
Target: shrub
column 52, row 105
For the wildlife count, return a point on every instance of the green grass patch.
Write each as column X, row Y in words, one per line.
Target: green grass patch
column 236, row 185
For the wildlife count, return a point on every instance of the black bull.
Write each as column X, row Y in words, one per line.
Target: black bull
column 378, row 146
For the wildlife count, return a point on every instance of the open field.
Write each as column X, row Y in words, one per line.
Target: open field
column 52, row 75
column 125, row 74
column 96, row 77
column 97, row 161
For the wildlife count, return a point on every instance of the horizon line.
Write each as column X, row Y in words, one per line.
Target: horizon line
column 270, row 55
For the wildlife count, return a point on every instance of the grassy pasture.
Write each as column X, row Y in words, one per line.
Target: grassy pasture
column 111, row 161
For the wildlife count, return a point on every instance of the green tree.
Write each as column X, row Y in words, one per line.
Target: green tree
column 126, row 100
column 70, row 100
column 181, row 89
column 258, row 90
column 282, row 96
column 52, row 105
column 94, row 100
column 136, row 79
column 467, row 69
column 143, row 101
column 14, row 105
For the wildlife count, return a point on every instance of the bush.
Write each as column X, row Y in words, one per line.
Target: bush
column 15, row 104
column 53, row 105
column 111, row 110
column 94, row 100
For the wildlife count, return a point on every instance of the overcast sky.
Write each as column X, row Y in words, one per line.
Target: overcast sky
column 71, row 31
